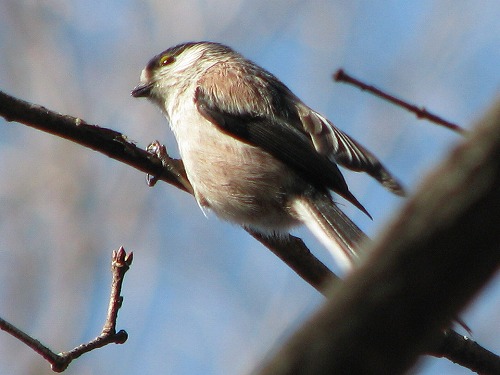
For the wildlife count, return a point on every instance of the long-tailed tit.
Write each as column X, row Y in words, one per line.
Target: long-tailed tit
column 254, row 153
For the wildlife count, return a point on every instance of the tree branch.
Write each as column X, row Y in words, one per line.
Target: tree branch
column 420, row 112
column 108, row 142
column 115, row 145
column 443, row 246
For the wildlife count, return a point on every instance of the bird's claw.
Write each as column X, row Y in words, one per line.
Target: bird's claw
column 160, row 151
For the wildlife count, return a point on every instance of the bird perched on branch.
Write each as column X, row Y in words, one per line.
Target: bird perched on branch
column 254, row 153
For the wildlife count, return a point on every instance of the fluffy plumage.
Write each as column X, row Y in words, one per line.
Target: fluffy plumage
column 254, row 152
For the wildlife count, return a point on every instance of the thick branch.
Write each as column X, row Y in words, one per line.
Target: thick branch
column 443, row 246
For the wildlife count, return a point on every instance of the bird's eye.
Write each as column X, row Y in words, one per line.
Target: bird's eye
column 167, row 60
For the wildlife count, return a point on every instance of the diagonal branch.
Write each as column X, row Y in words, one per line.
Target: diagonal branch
column 115, row 145
column 106, row 141
column 440, row 250
column 420, row 112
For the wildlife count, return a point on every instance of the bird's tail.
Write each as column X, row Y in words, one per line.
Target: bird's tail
column 332, row 227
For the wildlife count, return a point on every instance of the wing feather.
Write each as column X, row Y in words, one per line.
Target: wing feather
column 331, row 141
column 257, row 114
column 254, row 106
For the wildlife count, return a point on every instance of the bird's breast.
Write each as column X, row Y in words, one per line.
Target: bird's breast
column 238, row 181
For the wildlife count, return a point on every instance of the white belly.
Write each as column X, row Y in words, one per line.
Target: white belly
column 239, row 182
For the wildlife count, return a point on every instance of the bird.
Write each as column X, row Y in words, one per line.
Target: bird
column 254, row 153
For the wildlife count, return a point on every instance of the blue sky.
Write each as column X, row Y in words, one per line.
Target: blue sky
column 202, row 296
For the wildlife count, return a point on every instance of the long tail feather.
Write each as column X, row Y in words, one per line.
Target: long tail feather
column 332, row 227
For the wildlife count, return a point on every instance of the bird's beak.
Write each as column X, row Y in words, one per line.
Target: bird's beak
column 142, row 90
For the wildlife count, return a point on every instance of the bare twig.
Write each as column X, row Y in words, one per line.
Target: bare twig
column 116, row 146
column 420, row 112
column 120, row 264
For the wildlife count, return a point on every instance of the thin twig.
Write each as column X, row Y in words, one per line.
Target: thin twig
column 121, row 262
column 420, row 112
column 34, row 344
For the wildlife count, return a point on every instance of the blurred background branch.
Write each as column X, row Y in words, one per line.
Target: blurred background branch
column 430, row 261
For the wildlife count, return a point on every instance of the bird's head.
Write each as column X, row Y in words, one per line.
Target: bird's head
column 177, row 69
